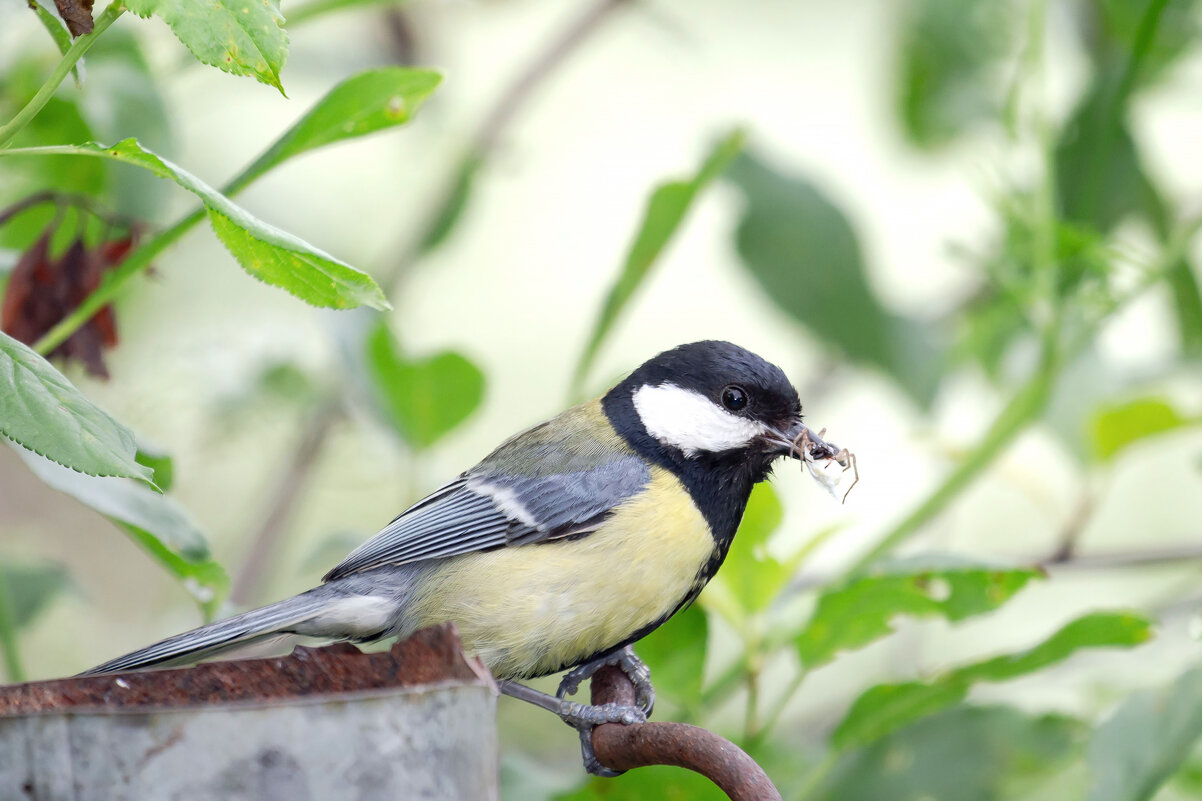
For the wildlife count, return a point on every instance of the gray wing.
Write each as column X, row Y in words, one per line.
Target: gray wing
column 484, row 509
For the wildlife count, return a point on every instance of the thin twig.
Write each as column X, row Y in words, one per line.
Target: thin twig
column 1118, row 560
column 68, row 199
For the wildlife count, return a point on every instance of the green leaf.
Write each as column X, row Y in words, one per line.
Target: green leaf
column 675, row 652
column 424, row 399
column 666, row 210
column 962, row 754
column 887, row 707
column 152, row 520
column 242, row 37
column 806, row 256
column 159, row 462
column 266, row 252
column 1099, row 178
column 947, row 51
column 30, row 588
column 279, row 259
column 362, row 104
column 750, row 575
column 1116, row 426
column 41, row 410
column 863, row 609
column 1140, row 746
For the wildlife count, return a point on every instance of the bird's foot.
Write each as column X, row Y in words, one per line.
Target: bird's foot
column 581, row 717
column 586, row 717
column 624, row 660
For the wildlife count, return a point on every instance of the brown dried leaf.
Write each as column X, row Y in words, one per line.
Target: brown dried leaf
column 42, row 292
column 77, row 14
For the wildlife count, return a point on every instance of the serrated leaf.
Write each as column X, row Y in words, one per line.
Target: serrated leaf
column 863, row 609
column 266, row 252
column 962, row 754
column 367, row 102
column 154, row 521
column 1140, row 746
column 666, row 210
column 41, row 410
column 281, row 260
column 752, row 576
column 241, row 37
column 30, row 588
column 1117, row 426
column 804, row 253
column 887, row 707
column 424, row 399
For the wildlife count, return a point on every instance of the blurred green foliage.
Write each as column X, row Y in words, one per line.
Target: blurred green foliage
column 1055, row 273
column 806, row 255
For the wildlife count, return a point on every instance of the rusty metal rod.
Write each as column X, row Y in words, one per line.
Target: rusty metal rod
column 700, row 750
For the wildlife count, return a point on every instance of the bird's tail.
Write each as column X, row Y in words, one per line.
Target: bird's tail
column 224, row 635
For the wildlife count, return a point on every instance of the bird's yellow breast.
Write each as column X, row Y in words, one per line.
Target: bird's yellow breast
column 532, row 609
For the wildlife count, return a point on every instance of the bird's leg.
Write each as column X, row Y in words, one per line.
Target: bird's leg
column 581, row 717
column 624, row 660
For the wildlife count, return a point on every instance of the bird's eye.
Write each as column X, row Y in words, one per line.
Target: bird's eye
column 734, row 398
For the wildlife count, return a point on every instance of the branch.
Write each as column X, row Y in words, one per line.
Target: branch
column 1118, row 560
column 718, row 759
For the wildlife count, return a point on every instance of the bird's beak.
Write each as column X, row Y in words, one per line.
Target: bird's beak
column 795, row 440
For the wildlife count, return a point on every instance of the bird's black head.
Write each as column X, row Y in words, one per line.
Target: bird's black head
column 715, row 414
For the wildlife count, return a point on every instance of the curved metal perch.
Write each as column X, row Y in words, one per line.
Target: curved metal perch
column 690, row 747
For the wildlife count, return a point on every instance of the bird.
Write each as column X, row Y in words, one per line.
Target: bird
column 566, row 544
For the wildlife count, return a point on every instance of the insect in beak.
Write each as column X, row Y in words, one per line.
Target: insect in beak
column 799, row 442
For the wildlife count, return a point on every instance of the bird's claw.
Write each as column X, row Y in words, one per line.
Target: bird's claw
column 586, row 717
column 625, row 660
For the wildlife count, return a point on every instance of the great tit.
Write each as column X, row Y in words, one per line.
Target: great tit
column 569, row 542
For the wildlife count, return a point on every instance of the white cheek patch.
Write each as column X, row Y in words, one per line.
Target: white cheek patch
column 690, row 421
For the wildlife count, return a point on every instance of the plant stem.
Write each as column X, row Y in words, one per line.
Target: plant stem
column 14, row 126
column 1024, row 407
column 8, row 637
column 137, row 261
